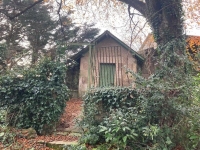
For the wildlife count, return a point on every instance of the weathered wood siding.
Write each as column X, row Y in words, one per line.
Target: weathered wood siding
column 106, row 52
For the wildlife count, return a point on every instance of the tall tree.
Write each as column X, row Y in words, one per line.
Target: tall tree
column 38, row 29
column 11, row 33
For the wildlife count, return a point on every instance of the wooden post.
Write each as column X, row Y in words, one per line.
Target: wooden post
column 89, row 61
column 89, row 67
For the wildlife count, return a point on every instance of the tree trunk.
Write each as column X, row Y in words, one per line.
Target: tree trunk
column 166, row 20
column 164, row 17
column 34, row 56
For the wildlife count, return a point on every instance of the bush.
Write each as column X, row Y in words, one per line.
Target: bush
column 193, row 122
column 99, row 102
column 155, row 116
column 119, row 127
column 98, row 105
column 7, row 137
column 37, row 97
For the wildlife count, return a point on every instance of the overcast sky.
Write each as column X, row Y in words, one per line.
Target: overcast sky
column 117, row 21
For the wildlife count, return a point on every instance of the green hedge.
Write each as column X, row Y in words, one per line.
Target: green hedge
column 99, row 104
column 37, row 97
column 106, row 99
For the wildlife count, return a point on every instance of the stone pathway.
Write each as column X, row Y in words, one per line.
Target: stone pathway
column 60, row 145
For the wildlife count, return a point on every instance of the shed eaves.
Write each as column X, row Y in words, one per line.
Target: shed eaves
column 100, row 38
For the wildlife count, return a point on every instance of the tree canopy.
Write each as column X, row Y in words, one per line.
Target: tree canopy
column 154, row 11
column 35, row 32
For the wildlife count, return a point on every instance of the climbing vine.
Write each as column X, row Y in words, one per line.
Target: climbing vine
column 166, row 19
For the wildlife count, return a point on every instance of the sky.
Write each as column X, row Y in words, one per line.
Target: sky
column 112, row 18
column 117, row 21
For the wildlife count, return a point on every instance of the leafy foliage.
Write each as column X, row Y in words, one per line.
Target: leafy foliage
column 7, row 137
column 194, row 120
column 98, row 104
column 106, row 99
column 74, row 147
column 37, row 97
column 117, row 127
column 2, row 58
column 159, row 114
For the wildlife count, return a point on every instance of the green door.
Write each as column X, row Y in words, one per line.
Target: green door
column 107, row 74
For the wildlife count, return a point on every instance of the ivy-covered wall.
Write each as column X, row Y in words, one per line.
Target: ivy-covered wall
column 148, row 51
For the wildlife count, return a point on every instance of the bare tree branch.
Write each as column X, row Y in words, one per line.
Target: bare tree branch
column 132, row 13
column 23, row 11
column 59, row 15
column 138, row 5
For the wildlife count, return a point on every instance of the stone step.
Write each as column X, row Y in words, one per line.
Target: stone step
column 75, row 134
column 59, row 145
column 70, row 130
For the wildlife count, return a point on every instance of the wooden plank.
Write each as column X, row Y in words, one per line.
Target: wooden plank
column 121, row 65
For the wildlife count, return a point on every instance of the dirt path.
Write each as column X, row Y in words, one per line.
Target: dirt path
column 72, row 113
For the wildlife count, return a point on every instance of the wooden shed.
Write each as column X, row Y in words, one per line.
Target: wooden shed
column 104, row 62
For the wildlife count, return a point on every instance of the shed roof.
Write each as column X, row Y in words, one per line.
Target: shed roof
column 100, row 38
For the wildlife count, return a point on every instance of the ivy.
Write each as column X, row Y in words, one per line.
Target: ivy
column 3, row 51
column 109, row 98
column 158, row 112
column 35, row 97
column 98, row 104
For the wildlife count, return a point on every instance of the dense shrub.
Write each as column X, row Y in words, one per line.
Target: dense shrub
column 36, row 97
column 99, row 102
column 99, row 111
column 193, row 132
column 158, row 114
